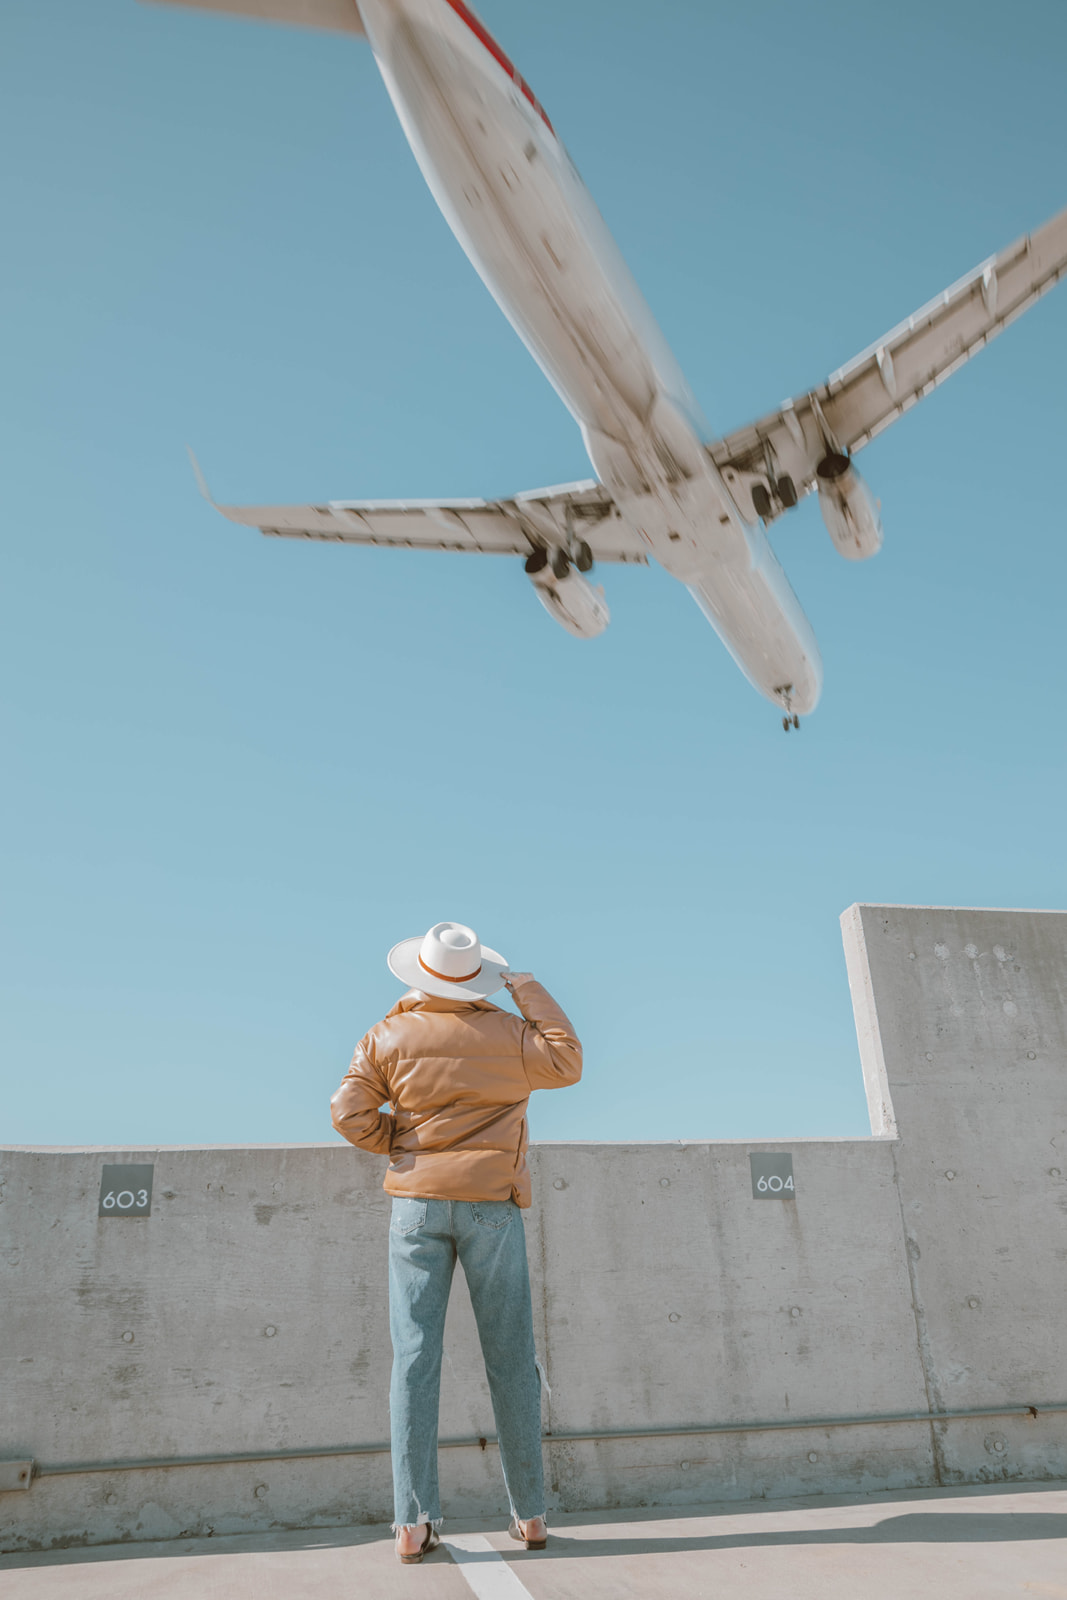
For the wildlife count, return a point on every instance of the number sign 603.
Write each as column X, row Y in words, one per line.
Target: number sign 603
column 125, row 1199
column 126, row 1190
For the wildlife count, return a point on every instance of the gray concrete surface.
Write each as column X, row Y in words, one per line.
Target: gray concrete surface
column 971, row 1021
column 974, row 1544
column 918, row 1270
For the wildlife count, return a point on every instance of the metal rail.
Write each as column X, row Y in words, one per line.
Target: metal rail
column 154, row 1463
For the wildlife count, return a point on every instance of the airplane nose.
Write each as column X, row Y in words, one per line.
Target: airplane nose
column 808, row 685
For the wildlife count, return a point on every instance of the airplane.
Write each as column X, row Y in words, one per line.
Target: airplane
column 665, row 489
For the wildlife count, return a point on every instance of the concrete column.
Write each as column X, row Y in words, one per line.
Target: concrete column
column 962, row 1020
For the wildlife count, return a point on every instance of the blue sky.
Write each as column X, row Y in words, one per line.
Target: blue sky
column 229, row 786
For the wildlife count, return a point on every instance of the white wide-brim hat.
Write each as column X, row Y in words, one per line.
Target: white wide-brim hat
column 450, row 961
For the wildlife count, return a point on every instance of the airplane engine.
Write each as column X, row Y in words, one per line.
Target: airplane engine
column 850, row 514
column 574, row 602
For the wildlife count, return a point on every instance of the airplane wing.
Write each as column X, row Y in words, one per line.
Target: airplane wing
column 563, row 516
column 876, row 387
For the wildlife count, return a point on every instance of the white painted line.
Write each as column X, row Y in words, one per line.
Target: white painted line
column 486, row 1572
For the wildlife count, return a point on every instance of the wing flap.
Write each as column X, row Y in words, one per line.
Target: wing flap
column 862, row 398
column 909, row 362
column 515, row 527
column 438, row 525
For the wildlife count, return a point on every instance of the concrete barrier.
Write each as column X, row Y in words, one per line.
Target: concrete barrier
column 893, row 1320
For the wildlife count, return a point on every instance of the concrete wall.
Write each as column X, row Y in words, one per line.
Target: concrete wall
column 921, row 1269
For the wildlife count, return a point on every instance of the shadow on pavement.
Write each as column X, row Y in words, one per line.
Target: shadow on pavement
column 971, row 1527
column 919, row 1527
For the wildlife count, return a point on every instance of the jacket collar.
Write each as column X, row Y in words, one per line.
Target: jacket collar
column 416, row 1000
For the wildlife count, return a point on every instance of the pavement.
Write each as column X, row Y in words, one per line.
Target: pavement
column 974, row 1543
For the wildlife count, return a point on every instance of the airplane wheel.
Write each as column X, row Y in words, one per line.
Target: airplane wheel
column 583, row 558
column 761, row 500
column 786, row 724
column 538, row 561
column 796, row 722
column 560, row 564
column 787, row 492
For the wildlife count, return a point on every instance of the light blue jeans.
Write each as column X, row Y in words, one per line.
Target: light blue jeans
column 425, row 1239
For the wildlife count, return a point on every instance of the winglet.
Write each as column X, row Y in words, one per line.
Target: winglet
column 201, row 481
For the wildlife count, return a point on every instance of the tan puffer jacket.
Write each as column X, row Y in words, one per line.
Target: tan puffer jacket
column 458, row 1074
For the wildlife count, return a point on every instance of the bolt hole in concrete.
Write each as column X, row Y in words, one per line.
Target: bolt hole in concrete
column 674, row 1317
column 974, row 1302
column 1031, row 1055
column 260, row 1491
column 950, row 1176
column 813, row 1455
column 127, row 1337
column 558, row 1183
column 664, row 1183
column 269, row 1331
column 794, row 1311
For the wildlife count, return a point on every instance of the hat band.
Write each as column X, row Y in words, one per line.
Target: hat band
column 444, row 976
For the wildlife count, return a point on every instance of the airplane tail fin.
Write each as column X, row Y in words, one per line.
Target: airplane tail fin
column 342, row 16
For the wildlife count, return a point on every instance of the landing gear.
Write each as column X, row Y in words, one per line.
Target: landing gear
column 783, row 490
column 559, row 560
column 784, row 696
column 761, row 500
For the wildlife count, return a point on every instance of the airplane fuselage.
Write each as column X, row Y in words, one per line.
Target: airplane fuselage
column 523, row 216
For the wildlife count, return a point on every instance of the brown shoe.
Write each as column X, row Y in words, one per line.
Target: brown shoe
column 515, row 1532
column 429, row 1543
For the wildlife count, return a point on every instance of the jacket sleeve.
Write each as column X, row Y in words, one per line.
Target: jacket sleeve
column 551, row 1053
column 355, row 1105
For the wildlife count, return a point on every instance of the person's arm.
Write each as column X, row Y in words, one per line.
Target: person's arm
column 355, row 1106
column 551, row 1053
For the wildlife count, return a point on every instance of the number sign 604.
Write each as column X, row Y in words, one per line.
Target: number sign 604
column 775, row 1184
column 772, row 1175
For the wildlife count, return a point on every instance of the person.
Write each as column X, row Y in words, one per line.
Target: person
column 457, row 1072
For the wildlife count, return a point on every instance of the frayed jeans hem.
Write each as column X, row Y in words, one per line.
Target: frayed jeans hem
column 435, row 1524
